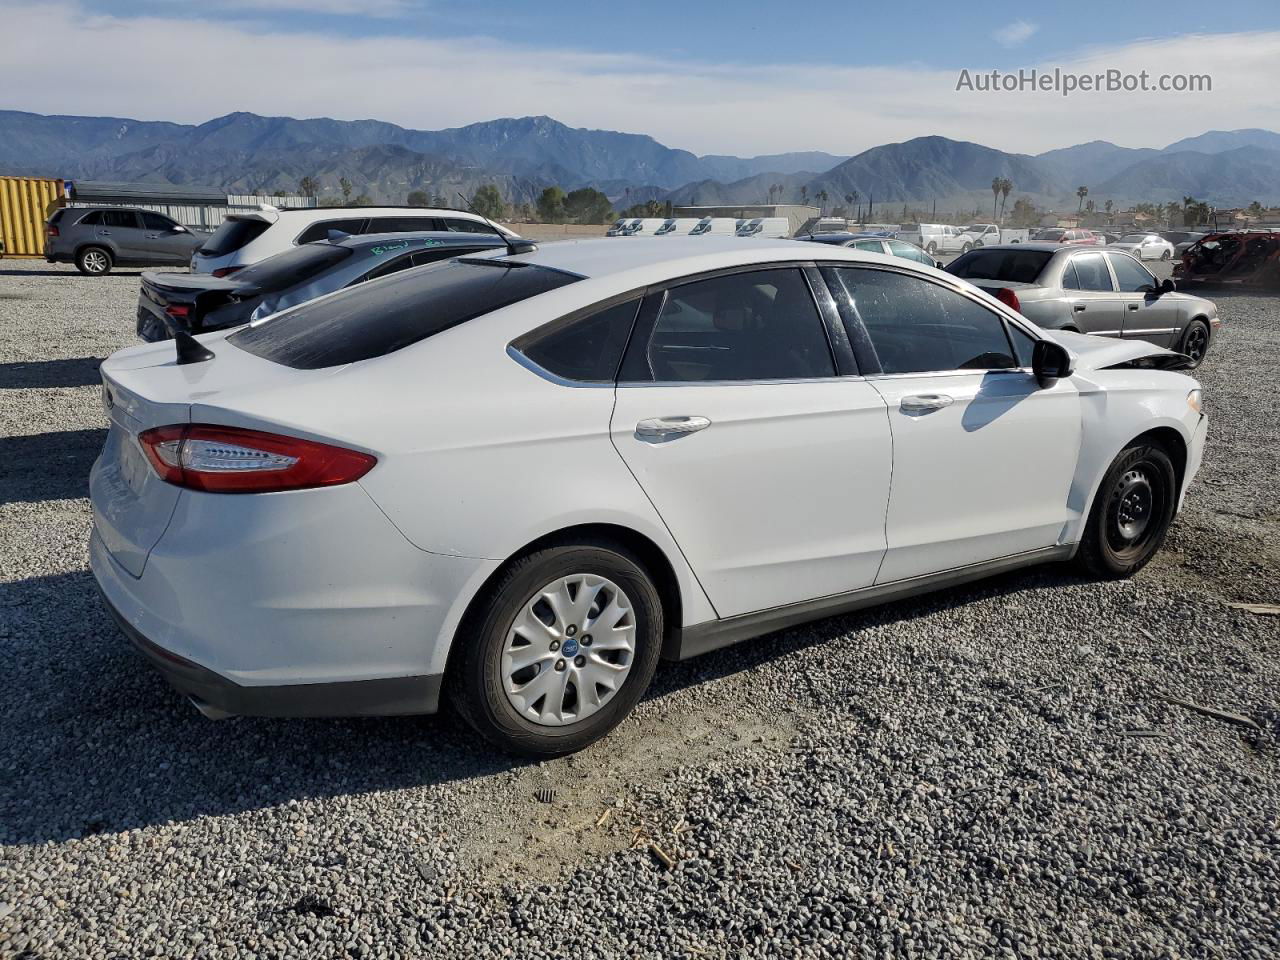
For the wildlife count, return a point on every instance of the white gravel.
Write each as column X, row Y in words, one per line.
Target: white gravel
column 990, row 771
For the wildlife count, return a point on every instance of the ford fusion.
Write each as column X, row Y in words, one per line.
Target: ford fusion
column 518, row 479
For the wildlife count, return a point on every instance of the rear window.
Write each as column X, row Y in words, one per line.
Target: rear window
column 320, row 230
column 232, row 235
column 1013, row 266
column 372, row 320
column 293, row 266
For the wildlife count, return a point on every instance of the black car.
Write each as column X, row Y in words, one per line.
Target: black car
column 200, row 303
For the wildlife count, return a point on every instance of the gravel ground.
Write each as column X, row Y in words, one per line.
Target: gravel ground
column 989, row 771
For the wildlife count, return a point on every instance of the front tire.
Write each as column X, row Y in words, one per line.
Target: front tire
column 559, row 650
column 94, row 261
column 1131, row 512
column 932, row 249
column 1165, row 255
column 1195, row 342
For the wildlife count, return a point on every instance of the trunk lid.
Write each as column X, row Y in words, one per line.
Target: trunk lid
column 193, row 293
column 144, row 387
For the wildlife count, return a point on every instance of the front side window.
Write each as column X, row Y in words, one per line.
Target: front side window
column 320, row 230
column 154, row 221
column 588, row 349
column 1091, row 273
column 921, row 327
column 870, row 246
column 907, row 251
column 1131, row 275
column 758, row 325
column 375, row 319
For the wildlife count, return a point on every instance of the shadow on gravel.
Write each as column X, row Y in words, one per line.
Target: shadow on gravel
column 48, row 466
column 77, row 372
column 69, row 272
column 98, row 743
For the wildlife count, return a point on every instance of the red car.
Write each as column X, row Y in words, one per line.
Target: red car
column 1083, row 238
column 1249, row 257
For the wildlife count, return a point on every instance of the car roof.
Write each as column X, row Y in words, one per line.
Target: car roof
column 657, row 257
column 394, row 207
column 1040, row 247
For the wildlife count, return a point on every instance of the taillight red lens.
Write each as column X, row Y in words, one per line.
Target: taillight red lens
column 180, row 310
column 237, row 460
column 1008, row 298
column 53, row 230
column 225, row 271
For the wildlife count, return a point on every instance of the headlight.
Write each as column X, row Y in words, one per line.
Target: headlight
column 1195, row 401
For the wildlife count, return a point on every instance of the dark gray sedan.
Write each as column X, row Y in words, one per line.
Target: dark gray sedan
column 1103, row 292
column 200, row 302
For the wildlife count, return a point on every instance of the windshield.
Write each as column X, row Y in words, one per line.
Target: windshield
column 375, row 319
column 1050, row 234
column 1011, row 266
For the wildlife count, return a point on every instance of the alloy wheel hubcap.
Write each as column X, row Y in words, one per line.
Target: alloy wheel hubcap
column 569, row 650
column 1134, row 501
column 96, row 262
column 1195, row 344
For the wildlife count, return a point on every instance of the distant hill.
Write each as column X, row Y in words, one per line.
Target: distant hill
column 244, row 152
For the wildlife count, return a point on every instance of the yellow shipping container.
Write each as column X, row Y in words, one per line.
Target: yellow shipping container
column 25, row 204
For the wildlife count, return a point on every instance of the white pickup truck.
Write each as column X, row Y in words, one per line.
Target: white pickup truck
column 987, row 234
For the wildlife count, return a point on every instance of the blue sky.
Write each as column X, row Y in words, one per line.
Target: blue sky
column 744, row 77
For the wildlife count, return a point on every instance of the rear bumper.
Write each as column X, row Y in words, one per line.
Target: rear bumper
column 216, row 696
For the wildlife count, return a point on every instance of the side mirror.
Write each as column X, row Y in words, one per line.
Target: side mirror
column 938, row 264
column 1167, row 286
column 179, row 228
column 1050, row 362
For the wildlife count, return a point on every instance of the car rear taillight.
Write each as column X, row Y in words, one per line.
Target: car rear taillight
column 1009, row 299
column 178, row 310
column 237, row 460
column 225, row 271
column 53, row 230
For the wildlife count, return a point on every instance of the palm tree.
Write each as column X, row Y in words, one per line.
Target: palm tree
column 804, row 194
column 1081, row 192
column 849, row 200
column 995, row 194
column 1006, row 187
column 821, row 197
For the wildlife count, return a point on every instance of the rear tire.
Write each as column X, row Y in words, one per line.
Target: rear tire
column 932, row 249
column 94, row 261
column 514, row 624
column 1131, row 512
column 1195, row 342
column 1165, row 255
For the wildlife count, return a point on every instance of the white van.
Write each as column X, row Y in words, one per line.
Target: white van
column 715, row 226
column 771, row 227
column 619, row 228
column 676, row 226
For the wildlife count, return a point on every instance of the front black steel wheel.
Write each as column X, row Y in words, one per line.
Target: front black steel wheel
column 1195, row 342
column 1131, row 513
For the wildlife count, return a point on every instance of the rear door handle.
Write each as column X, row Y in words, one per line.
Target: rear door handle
column 1132, row 306
column 663, row 429
column 1079, row 308
column 925, row 402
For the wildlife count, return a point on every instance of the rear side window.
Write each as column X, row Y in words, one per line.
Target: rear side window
column 292, row 267
column 232, row 235
column 758, row 325
column 119, row 218
column 375, row 319
column 1012, row 266
column 401, row 224
column 588, row 349
column 320, row 231
column 1092, row 273
column 92, row 218
column 921, row 327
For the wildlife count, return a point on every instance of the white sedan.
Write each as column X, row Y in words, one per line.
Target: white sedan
column 1144, row 246
column 518, row 479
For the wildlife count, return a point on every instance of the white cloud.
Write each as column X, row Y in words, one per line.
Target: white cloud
column 345, row 8
column 1015, row 34
column 218, row 65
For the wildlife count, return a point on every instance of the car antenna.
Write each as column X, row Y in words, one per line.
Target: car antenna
column 514, row 244
column 191, row 350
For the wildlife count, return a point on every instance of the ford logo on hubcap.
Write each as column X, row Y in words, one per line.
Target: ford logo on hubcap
column 570, row 648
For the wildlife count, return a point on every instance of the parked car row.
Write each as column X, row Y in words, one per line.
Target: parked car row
column 97, row 239
column 400, row 492
column 770, row 227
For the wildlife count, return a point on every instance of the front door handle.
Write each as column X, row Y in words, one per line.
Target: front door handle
column 663, row 429
column 925, row 402
column 1132, row 306
column 1079, row 308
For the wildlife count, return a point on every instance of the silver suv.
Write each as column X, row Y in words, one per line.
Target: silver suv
column 96, row 239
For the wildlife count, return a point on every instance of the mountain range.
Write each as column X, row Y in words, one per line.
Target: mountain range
column 245, row 152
